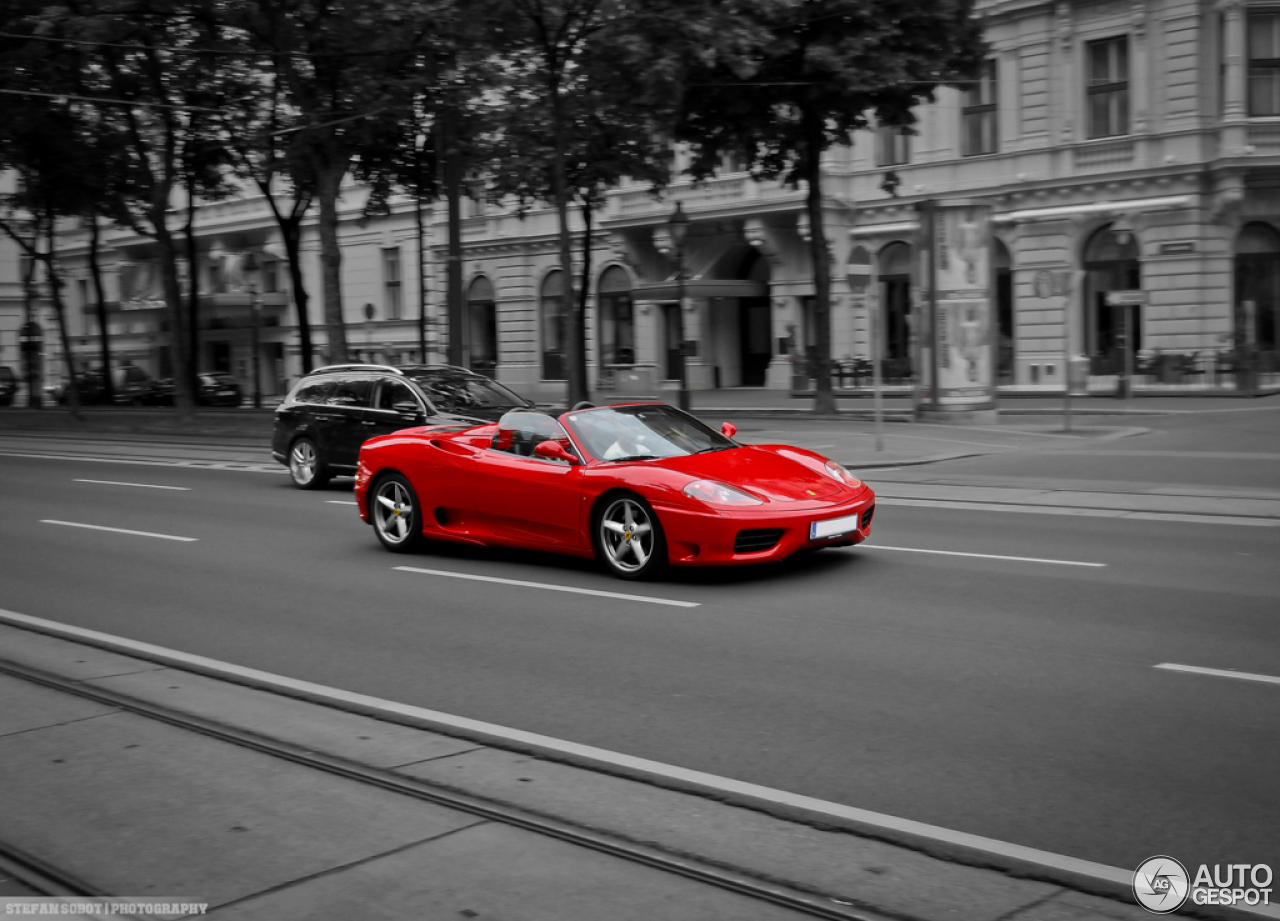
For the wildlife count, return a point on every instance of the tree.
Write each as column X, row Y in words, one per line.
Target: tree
column 585, row 70
column 799, row 77
column 610, row 132
column 343, row 65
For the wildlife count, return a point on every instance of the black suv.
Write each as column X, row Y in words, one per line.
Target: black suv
column 332, row 411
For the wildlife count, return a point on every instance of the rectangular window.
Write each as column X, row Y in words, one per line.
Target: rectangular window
column 1108, row 89
column 981, row 130
column 893, row 146
column 270, row 276
column 83, row 285
column 391, row 282
column 1264, row 63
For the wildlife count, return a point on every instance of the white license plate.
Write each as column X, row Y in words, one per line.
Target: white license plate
column 833, row 527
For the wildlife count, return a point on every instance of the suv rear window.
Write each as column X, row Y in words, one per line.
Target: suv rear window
column 313, row 392
column 350, row 392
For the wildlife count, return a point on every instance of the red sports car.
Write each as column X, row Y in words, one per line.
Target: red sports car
column 638, row 486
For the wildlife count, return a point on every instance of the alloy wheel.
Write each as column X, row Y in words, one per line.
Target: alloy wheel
column 394, row 510
column 627, row 536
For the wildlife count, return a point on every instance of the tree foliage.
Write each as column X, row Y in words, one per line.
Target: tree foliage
column 791, row 79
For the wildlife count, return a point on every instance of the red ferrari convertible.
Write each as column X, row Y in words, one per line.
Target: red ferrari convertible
column 638, row 486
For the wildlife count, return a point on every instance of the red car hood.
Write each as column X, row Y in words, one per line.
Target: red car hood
column 765, row 471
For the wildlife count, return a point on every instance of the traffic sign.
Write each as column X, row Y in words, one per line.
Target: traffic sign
column 1126, row 298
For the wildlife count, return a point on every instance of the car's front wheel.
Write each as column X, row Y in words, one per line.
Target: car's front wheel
column 305, row 466
column 628, row 537
column 397, row 518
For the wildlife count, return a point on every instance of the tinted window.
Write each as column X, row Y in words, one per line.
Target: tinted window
column 459, row 393
column 314, row 392
column 354, row 393
column 396, row 396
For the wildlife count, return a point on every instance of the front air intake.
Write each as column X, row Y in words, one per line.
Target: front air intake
column 757, row 540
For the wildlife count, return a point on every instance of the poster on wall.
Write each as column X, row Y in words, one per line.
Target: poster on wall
column 963, row 305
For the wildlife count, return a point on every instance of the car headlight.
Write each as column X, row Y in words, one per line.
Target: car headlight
column 719, row 493
column 837, row 472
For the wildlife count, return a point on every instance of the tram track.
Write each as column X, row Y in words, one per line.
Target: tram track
column 53, row 881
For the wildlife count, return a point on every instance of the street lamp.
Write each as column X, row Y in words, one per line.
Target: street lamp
column 678, row 227
column 250, row 266
column 858, row 275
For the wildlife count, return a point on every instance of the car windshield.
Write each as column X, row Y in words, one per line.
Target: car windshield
column 460, row 393
column 641, row 432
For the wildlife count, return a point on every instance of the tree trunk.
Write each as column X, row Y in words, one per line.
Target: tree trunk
column 104, row 344
column 55, row 292
column 31, row 356
column 193, row 292
column 183, row 398
column 291, row 232
column 581, row 314
column 455, row 350
column 823, row 398
column 328, row 185
column 575, row 347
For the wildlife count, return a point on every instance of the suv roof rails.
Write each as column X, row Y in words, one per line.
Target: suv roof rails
column 426, row 367
column 357, row 366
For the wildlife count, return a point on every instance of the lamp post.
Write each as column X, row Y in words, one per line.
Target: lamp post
column 678, row 226
column 250, row 266
column 858, row 275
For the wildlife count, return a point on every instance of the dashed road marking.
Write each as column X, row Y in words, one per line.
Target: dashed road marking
column 986, row 556
column 648, row 599
column 98, row 527
column 144, row 485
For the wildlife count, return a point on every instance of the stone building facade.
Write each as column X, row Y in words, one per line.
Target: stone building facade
column 1124, row 145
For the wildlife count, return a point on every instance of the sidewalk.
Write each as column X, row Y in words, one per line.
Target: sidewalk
column 134, row 807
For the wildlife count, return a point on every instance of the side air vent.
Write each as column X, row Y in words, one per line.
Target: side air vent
column 757, row 540
column 866, row 516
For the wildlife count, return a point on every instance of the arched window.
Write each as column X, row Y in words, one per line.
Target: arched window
column 617, row 319
column 1111, row 264
column 555, row 327
column 1257, row 295
column 482, row 319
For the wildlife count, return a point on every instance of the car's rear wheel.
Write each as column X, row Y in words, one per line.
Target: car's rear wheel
column 397, row 517
column 305, row 466
column 628, row 537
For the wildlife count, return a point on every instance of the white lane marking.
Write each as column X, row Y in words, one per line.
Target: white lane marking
column 137, row 462
column 597, row 756
column 985, row 556
column 1218, row 672
column 962, row 506
column 146, row 485
column 341, row 502
column 98, row 527
column 549, row 587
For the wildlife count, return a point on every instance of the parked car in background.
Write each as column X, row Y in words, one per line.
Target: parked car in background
column 8, row 385
column 217, row 388
column 131, row 385
column 161, row 392
column 330, row 412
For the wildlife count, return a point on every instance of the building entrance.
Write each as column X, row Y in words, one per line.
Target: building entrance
column 754, row 335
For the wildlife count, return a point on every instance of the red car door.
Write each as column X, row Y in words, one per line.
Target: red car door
column 523, row 499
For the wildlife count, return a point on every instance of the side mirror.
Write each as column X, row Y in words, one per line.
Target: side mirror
column 553, row 450
column 728, row 430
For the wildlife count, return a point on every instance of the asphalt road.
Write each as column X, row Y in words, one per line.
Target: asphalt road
column 1010, row 698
